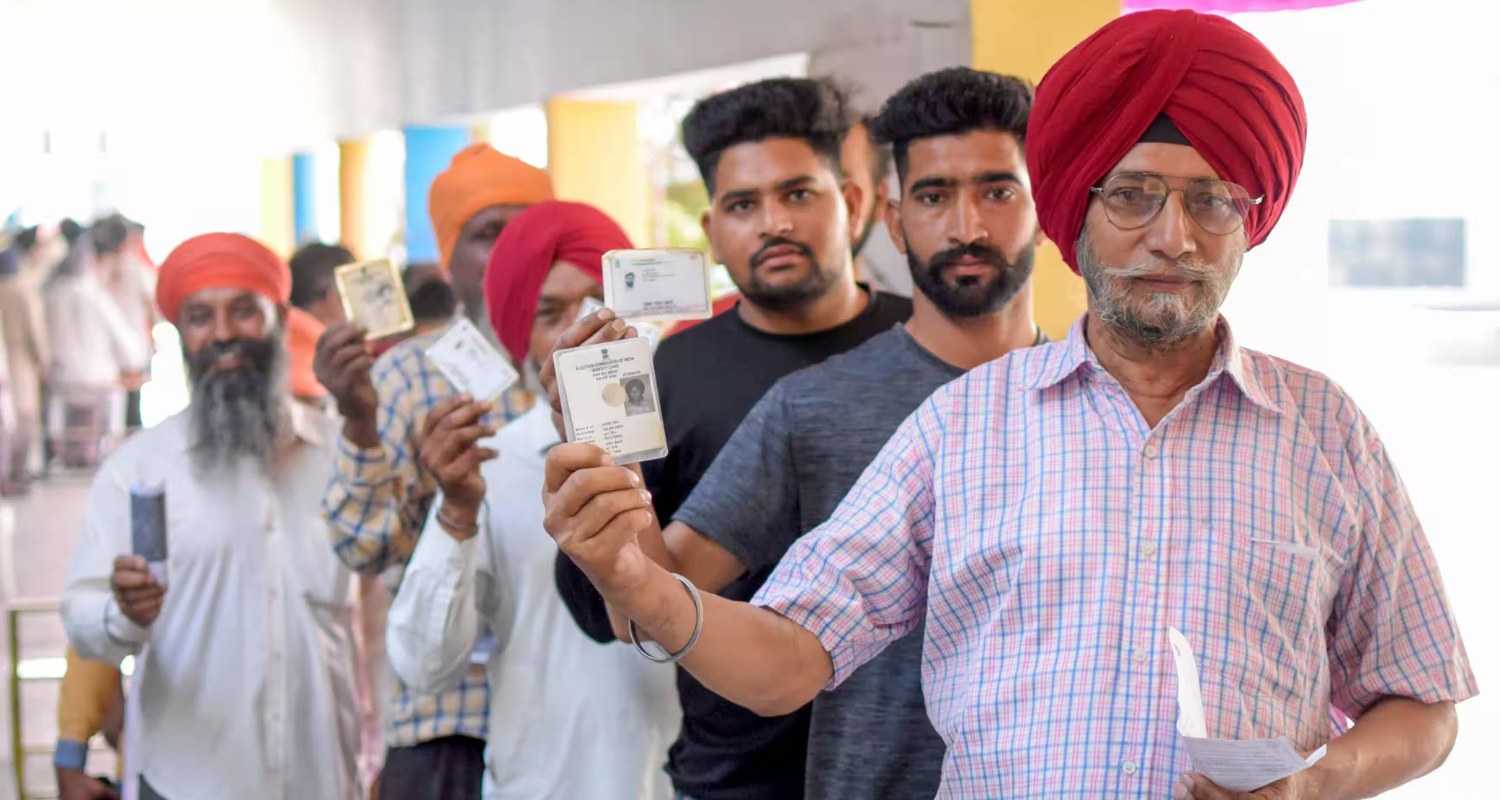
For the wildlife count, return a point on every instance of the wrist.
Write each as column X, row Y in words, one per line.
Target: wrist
column 656, row 601
column 1328, row 779
column 70, row 754
column 360, row 430
column 459, row 518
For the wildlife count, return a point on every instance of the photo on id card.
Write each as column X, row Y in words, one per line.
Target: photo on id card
column 669, row 284
column 609, row 399
column 373, row 298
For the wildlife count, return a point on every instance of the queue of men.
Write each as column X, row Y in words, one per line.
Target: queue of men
column 897, row 547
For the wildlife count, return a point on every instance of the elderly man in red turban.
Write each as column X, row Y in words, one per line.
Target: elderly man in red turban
column 243, row 684
column 1053, row 515
column 599, row 725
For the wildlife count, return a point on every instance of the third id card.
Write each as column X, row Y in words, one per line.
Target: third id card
column 657, row 284
column 609, row 399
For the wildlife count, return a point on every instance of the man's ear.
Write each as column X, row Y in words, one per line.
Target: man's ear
column 704, row 221
column 891, row 213
column 854, row 197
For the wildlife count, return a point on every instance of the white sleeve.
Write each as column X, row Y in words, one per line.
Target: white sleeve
column 435, row 616
column 96, row 627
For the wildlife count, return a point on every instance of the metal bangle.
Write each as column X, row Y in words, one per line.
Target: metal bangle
column 443, row 520
column 664, row 657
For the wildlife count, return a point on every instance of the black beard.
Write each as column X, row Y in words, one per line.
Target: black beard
column 971, row 297
column 237, row 412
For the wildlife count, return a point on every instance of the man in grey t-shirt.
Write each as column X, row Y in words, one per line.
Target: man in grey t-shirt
column 966, row 223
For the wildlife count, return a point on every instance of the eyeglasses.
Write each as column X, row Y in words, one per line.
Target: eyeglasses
column 1133, row 199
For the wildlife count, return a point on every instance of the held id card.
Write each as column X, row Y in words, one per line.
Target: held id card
column 652, row 331
column 468, row 361
column 657, row 284
column 148, row 528
column 609, row 399
column 373, row 298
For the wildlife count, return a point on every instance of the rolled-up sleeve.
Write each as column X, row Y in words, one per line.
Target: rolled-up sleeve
column 1392, row 631
column 435, row 618
column 96, row 626
column 859, row 581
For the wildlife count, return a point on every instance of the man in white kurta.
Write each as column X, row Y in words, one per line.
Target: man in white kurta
column 244, row 681
column 569, row 718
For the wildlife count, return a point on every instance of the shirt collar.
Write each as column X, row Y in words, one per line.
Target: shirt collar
column 305, row 424
column 1056, row 364
column 1233, row 361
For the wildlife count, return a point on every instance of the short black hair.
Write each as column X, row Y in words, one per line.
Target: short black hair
column 952, row 101
column 109, row 234
column 70, row 230
column 880, row 162
column 26, row 239
column 813, row 110
column 428, row 292
column 312, row 269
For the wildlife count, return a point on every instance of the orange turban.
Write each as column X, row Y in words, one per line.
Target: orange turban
column 220, row 260
column 479, row 177
column 302, row 332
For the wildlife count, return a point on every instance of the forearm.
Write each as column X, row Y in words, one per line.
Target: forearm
column 434, row 619
column 1396, row 741
column 363, row 509
column 97, row 628
column 746, row 654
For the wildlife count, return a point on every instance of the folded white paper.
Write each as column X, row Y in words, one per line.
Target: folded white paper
column 1239, row 765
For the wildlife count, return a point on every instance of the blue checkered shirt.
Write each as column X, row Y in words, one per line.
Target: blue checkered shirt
column 376, row 505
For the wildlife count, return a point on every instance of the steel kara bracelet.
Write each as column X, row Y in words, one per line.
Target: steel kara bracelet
column 662, row 656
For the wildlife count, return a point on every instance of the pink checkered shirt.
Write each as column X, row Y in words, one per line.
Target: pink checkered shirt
column 1049, row 538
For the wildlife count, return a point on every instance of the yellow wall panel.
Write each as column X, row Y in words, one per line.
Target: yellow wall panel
column 1024, row 38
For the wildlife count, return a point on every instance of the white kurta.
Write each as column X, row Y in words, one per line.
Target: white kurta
column 569, row 717
column 244, row 687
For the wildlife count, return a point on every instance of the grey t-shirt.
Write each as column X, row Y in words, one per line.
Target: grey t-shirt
column 783, row 473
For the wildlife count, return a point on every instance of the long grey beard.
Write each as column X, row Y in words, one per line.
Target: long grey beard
column 238, row 413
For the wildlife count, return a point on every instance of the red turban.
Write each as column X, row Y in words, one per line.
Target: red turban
column 302, row 332
column 220, row 260
column 529, row 245
column 1221, row 87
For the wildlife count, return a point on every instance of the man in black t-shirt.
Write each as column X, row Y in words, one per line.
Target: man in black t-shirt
column 779, row 221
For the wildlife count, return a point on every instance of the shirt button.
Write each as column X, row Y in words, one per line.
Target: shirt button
column 1129, row 767
column 1148, row 549
column 1140, row 656
column 1150, row 450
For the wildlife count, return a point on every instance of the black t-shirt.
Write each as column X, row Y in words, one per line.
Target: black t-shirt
column 709, row 377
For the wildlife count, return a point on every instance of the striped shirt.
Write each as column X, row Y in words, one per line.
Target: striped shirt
column 1048, row 537
column 376, row 505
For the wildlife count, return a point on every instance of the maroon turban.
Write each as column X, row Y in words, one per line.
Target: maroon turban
column 1220, row 87
column 529, row 245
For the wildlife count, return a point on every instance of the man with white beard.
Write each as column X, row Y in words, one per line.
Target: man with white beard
column 244, row 686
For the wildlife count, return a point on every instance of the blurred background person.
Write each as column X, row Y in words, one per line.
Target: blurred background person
column 96, row 354
column 313, row 288
column 131, row 283
column 26, row 353
column 379, row 498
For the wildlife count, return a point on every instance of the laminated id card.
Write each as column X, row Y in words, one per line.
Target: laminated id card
column 468, row 361
column 657, row 284
column 374, row 298
column 609, row 399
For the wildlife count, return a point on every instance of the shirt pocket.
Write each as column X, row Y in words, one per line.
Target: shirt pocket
column 1278, row 590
